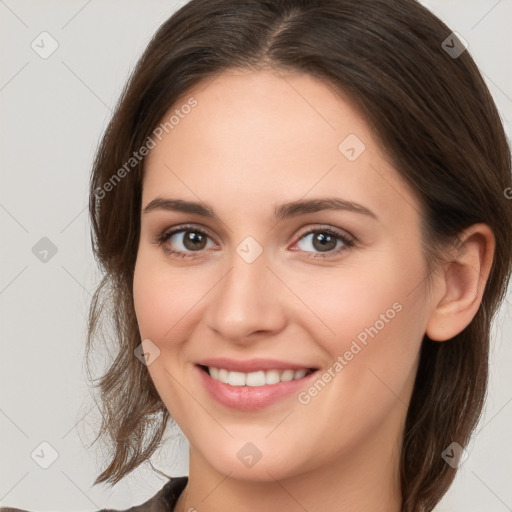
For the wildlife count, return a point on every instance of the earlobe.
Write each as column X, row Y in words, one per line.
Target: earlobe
column 463, row 282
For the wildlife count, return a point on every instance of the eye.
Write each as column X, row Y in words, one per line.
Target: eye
column 186, row 240
column 327, row 241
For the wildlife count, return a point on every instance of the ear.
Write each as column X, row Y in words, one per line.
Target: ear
column 462, row 283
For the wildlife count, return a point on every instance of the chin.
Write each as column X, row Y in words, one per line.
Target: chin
column 247, row 462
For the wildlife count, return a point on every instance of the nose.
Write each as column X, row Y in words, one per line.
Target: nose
column 248, row 302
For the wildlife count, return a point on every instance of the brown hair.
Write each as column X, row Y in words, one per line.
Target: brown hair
column 438, row 124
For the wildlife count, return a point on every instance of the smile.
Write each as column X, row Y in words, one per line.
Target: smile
column 257, row 378
column 259, row 386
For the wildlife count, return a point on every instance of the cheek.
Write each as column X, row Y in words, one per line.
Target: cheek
column 371, row 368
column 370, row 320
column 373, row 300
column 163, row 302
column 162, row 299
column 371, row 335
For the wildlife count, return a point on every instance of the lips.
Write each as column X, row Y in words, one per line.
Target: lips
column 254, row 384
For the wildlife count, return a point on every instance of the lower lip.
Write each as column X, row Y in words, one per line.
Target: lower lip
column 251, row 398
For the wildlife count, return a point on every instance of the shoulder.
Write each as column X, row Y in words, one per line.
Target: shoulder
column 163, row 501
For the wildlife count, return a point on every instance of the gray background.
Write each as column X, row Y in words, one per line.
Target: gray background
column 53, row 112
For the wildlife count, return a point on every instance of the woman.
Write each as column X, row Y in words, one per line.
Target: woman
column 299, row 208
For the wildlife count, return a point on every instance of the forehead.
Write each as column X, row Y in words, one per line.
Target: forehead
column 269, row 137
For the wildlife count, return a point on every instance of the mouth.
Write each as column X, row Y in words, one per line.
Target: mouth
column 257, row 388
column 256, row 378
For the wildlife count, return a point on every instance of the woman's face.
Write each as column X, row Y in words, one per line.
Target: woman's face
column 335, row 282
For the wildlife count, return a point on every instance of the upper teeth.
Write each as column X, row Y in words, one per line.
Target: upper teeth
column 259, row 378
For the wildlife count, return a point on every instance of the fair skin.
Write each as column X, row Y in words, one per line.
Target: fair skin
column 256, row 140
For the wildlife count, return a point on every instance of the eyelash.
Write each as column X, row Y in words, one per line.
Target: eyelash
column 164, row 236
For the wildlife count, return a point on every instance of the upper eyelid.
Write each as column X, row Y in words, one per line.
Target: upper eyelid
column 187, row 227
column 332, row 229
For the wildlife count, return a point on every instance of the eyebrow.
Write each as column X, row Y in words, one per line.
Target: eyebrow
column 281, row 212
